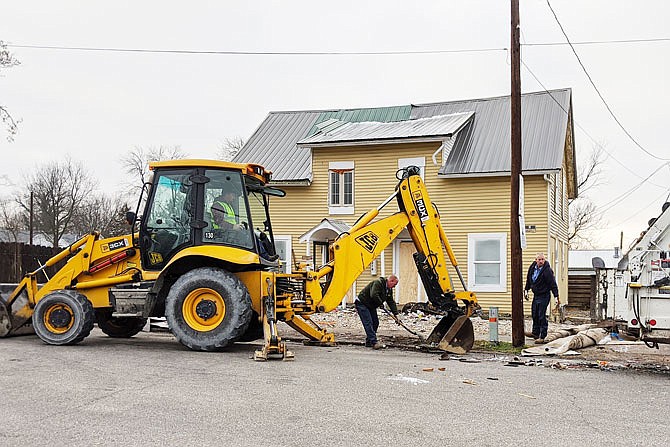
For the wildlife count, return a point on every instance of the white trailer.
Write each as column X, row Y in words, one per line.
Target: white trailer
column 636, row 295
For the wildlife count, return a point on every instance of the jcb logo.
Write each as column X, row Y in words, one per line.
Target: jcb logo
column 368, row 241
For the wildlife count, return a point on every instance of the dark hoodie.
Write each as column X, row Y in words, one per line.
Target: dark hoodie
column 376, row 293
column 545, row 282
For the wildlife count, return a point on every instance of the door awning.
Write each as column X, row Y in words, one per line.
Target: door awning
column 326, row 230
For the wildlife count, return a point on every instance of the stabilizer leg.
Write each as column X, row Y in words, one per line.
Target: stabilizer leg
column 273, row 346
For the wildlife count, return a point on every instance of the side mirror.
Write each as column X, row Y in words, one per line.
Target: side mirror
column 130, row 217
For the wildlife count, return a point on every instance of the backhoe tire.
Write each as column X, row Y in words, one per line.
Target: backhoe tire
column 119, row 327
column 208, row 309
column 63, row 317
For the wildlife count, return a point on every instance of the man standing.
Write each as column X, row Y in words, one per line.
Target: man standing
column 542, row 281
column 374, row 295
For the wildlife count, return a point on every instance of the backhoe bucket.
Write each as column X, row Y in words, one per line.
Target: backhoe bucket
column 454, row 334
column 16, row 317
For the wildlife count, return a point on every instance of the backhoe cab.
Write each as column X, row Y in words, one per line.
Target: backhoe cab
column 202, row 255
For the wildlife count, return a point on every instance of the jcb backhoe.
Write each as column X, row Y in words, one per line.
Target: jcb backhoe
column 217, row 281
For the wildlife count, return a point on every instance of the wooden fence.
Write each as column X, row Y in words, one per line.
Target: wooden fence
column 18, row 259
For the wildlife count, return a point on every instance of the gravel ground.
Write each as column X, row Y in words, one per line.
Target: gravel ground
column 346, row 326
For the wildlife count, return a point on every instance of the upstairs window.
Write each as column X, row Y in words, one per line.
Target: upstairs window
column 341, row 187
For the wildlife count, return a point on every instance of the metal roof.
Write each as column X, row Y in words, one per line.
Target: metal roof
column 376, row 114
column 581, row 259
column 437, row 127
column 273, row 145
column 481, row 147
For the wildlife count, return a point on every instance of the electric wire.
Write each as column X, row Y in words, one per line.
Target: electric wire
column 609, row 109
column 259, row 53
column 636, row 214
column 615, row 201
column 593, row 140
column 330, row 53
column 597, row 42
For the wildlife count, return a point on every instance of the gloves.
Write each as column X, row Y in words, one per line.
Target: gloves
column 396, row 319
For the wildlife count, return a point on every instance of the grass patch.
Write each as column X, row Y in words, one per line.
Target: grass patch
column 503, row 346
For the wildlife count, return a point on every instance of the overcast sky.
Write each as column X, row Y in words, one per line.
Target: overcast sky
column 97, row 105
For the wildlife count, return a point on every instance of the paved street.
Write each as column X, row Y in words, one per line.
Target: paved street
column 149, row 390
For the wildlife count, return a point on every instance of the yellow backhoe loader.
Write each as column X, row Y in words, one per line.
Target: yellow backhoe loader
column 202, row 255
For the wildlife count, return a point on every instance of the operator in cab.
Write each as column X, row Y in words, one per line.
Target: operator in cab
column 223, row 213
column 373, row 296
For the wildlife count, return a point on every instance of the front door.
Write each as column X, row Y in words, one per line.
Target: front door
column 410, row 289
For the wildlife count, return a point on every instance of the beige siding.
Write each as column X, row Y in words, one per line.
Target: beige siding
column 467, row 205
column 482, row 205
column 558, row 235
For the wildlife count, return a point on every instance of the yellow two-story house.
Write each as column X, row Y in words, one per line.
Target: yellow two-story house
column 335, row 165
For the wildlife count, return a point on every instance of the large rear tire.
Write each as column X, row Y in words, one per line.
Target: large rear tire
column 63, row 317
column 119, row 327
column 208, row 309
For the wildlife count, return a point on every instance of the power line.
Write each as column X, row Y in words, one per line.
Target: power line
column 615, row 201
column 329, row 53
column 259, row 53
column 598, row 91
column 636, row 214
column 582, row 128
column 597, row 42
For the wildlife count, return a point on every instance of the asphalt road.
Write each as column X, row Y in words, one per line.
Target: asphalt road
column 150, row 391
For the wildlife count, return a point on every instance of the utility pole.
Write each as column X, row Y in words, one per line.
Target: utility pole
column 516, row 266
column 30, row 218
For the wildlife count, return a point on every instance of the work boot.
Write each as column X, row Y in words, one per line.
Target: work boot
column 378, row 346
column 539, row 341
column 530, row 335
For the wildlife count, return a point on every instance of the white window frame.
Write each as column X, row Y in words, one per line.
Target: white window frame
column 502, row 285
column 285, row 264
column 420, row 162
column 341, row 208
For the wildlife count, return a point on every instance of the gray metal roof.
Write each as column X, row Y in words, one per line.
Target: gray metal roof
column 273, row 145
column 440, row 126
column 483, row 146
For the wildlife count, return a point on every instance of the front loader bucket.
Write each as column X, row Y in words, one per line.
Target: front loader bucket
column 16, row 314
column 454, row 334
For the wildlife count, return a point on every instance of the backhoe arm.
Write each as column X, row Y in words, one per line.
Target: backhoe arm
column 354, row 251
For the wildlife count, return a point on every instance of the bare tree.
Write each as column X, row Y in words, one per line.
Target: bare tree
column 59, row 188
column 101, row 213
column 584, row 219
column 583, row 216
column 588, row 176
column 136, row 163
column 7, row 60
column 230, row 147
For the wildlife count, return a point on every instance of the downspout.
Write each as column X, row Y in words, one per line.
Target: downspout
column 442, row 147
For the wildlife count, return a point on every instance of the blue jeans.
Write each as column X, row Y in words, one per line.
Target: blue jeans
column 370, row 322
column 539, row 312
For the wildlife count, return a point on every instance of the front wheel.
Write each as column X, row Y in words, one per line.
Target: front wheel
column 208, row 308
column 63, row 317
